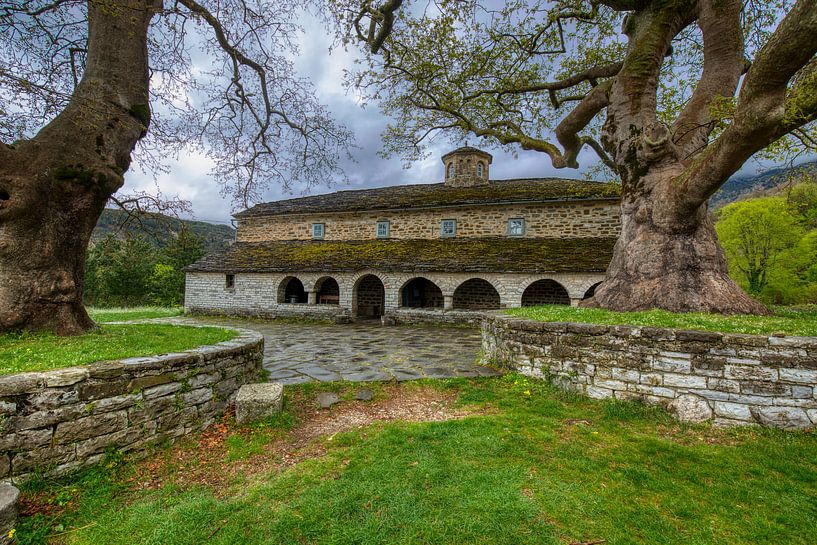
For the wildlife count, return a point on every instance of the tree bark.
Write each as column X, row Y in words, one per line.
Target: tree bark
column 54, row 187
column 667, row 262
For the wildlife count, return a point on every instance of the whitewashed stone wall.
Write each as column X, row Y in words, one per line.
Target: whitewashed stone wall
column 730, row 378
column 258, row 293
column 55, row 422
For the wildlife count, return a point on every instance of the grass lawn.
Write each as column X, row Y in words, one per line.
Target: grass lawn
column 791, row 321
column 489, row 461
column 40, row 352
column 101, row 315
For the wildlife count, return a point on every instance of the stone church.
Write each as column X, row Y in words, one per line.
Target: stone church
column 409, row 252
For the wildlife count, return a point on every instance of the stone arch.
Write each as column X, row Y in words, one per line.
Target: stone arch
column 476, row 294
column 591, row 291
column 368, row 296
column 327, row 291
column 291, row 290
column 545, row 292
column 480, row 169
column 420, row 292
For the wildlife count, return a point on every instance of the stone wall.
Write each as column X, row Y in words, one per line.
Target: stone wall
column 730, row 378
column 256, row 294
column 582, row 219
column 54, row 422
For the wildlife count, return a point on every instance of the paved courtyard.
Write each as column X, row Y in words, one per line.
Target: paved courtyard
column 304, row 352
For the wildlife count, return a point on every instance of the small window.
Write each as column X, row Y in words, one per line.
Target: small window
column 448, row 228
column 317, row 230
column 383, row 229
column 480, row 170
column 516, row 227
column 451, row 168
column 229, row 281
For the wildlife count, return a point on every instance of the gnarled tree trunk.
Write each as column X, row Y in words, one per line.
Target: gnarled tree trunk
column 54, row 187
column 663, row 261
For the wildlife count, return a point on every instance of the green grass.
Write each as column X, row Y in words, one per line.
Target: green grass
column 102, row 315
column 40, row 352
column 788, row 321
column 518, row 472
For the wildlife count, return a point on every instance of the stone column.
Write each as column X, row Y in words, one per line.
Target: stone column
column 312, row 297
column 448, row 302
column 575, row 302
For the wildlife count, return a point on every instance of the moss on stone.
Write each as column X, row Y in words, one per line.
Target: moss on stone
column 440, row 255
column 431, row 195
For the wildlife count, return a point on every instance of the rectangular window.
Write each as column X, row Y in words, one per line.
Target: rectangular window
column 317, row 230
column 448, row 228
column 383, row 229
column 229, row 281
column 516, row 227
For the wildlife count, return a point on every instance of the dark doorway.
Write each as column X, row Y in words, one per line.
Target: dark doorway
column 476, row 294
column 369, row 297
column 421, row 293
column 545, row 292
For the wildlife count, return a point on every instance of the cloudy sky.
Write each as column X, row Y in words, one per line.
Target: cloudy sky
column 189, row 176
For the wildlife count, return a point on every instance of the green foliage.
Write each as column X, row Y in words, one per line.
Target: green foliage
column 803, row 322
column 771, row 243
column 39, row 352
column 542, row 468
column 132, row 272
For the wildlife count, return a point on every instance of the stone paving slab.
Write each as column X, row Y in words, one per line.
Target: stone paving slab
column 363, row 352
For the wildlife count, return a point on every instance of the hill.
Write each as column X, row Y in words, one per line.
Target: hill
column 739, row 187
column 159, row 229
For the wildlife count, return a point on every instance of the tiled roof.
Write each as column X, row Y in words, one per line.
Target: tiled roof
column 433, row 195
column 437, row 255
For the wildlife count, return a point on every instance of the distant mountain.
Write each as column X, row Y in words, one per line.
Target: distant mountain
column 159, row 229
column 741, row 186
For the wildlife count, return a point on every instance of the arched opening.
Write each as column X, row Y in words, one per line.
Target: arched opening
column 476, row 294
column 369, row 297
column 291, row 291
column 591, row 291
column 421, row 293
column 480, row 170
column 328, row 291
column 451, row 168
column 545, row 292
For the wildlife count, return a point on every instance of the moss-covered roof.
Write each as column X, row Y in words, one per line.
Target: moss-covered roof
column 431, row 195
column 437, row 255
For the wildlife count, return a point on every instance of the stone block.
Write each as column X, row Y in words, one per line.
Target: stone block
column 8, row 510
column 90, row 426
column 673, row 363
column 65, row 377
column 733, row 411
column 598, row 393
column 750, row 372
column 258, row 401
column 690, row 408
column 800, row 376
column 789, row 418
column 684, row 381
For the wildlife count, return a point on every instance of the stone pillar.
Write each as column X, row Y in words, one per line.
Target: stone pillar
column 312, row 297
column 448, row 302
column 575, row 302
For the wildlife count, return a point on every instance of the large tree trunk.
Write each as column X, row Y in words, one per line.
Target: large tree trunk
column 54, row 187
column 665, row 261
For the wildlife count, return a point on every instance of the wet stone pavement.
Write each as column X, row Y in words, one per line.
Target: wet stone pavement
column 364, row 351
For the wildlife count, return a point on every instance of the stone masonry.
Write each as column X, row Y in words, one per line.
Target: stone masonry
column 582, row 219
column 54, row 422
column 737, row 379
column 257, row 294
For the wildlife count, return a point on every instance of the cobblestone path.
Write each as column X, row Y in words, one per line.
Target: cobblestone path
column 360, row 352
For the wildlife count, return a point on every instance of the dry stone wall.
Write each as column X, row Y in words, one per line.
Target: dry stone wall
column 731, row 379
column 585, row 219
column 58, row 421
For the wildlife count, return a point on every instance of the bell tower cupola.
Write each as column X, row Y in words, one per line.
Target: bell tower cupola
column 467, row 167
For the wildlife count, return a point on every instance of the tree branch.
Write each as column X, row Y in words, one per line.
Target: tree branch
column 567, row 132
column 724, row 62
column 766, row 108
